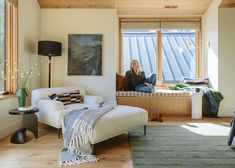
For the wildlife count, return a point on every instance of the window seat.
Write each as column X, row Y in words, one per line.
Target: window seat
column 165, row 102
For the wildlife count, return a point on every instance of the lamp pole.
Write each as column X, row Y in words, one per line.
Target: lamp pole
column 49, row 69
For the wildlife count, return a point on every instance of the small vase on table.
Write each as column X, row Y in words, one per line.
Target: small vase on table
column 21, row 94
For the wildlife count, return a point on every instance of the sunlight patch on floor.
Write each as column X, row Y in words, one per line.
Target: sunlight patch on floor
column 207, row 129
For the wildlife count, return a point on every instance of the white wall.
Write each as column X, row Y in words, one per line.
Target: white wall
column 56, row 24
column 227, row 59
column 8, row 123
column 210, row 35
column 218, row 29
column 29, row 32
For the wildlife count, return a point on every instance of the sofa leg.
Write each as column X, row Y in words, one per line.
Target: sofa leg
column 59, row 133
column 145, row 130
column 92, row 148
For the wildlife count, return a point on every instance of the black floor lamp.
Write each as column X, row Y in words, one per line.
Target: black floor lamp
column 50, row 49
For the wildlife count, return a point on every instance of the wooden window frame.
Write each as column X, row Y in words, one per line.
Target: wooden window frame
column 4, row 46
column 159, row 53
column 11, row 47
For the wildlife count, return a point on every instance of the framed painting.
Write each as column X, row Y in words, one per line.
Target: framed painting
column 84, row 54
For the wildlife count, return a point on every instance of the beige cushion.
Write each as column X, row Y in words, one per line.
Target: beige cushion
column 119, row 82
column 119, row 120
column 176, row 93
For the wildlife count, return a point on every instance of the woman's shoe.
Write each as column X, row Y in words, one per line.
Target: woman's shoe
column 154, row 119
column 160, row 118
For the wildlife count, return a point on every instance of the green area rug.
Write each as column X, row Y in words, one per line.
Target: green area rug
column 188, row 146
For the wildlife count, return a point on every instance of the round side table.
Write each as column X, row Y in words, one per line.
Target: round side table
column 30, row 123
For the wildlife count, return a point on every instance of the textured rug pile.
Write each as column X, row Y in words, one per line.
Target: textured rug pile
column 182, row 146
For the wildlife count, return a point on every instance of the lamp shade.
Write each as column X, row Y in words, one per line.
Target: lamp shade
column 49, row 48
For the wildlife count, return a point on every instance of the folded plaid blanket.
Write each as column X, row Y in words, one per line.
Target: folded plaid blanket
column 77, row 129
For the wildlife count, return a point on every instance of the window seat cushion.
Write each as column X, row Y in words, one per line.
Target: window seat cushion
column 175, row 93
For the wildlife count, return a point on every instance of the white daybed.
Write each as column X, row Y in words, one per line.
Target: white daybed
column 119, row 120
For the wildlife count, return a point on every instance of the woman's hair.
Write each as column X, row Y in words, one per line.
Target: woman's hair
column 138, row 69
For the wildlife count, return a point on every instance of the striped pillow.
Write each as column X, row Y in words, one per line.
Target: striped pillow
column 197, row 81
column 76, row 97
column 68, row 98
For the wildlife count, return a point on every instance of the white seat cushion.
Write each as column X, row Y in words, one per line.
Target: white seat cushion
column 75, row 106
column 117, row 121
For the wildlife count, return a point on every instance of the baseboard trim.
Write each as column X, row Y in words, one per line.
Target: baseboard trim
column 229, row 112
column 8, row 129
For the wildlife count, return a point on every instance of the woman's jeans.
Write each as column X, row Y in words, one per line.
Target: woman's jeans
column 145, row 88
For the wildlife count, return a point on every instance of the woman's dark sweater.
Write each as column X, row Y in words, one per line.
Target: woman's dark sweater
column 132, row 80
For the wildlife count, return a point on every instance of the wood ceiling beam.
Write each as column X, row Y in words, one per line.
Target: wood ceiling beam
column 108, row 4
column 227, row 4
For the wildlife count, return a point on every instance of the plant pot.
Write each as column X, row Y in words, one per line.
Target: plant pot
column 21, row 94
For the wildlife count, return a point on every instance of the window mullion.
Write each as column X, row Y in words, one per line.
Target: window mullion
column 11, row 48
column 7, row 53
column 198, row 54
column 120, row 50
column 159, row 58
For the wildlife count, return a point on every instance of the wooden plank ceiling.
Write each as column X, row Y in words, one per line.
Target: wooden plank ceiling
column 136, row 7
column 227, row 4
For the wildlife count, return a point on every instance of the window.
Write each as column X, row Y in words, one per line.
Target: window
column 167, row 48
column 140, row 45
column 2, row 45
column 178, row 55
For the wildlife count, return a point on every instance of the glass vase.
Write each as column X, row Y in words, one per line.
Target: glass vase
column 21, row 94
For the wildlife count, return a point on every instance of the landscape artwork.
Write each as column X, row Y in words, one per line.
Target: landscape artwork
column 84, row 54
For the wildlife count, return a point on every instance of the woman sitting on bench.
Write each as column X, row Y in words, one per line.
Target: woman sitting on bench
column 135, row 79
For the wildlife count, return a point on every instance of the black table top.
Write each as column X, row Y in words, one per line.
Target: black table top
column 18, row 112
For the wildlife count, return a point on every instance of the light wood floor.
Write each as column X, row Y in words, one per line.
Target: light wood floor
column 44, row 151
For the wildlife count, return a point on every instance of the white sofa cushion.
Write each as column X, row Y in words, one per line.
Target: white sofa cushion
column 117, row 121
column 92, row 100
column 76, row 106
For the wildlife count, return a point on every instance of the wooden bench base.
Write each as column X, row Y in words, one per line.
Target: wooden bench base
column 165, row 105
